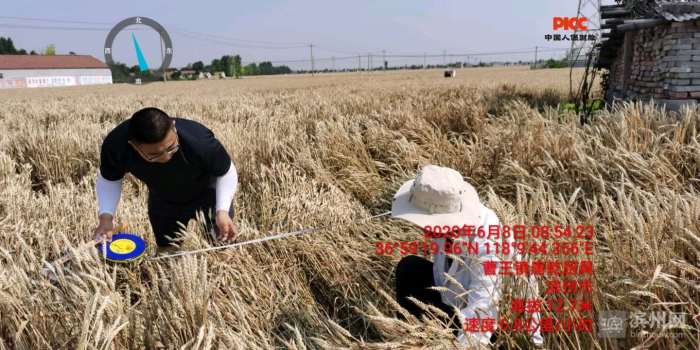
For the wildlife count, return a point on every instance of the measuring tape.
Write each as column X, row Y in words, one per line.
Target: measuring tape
column 124, row 247
column 127, row 247
column 269, row 238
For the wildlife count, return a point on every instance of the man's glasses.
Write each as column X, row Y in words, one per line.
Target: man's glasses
column 170, row 150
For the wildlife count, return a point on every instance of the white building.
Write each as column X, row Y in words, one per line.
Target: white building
column 18, row 71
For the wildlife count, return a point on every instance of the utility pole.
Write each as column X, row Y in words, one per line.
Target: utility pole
column 535, row 66
column 311, row 51
column 333, row 60
column 383, row 59
column 359, row 63
column 162, row 48
column 369, row 62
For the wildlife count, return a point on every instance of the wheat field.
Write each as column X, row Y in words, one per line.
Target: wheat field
column 327, row 150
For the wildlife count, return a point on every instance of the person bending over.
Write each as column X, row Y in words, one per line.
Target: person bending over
column 185, row 168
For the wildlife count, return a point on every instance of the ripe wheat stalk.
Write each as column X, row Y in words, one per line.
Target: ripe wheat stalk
column 320, row 152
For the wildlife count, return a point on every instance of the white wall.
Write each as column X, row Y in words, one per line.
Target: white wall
column 53, row 77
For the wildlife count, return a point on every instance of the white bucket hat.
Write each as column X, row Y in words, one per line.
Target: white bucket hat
column 437, row 196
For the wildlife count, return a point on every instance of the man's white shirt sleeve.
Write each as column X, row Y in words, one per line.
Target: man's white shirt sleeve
column 108, row 194
column 226, row 186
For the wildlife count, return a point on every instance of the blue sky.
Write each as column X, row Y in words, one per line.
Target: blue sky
column 278, row 30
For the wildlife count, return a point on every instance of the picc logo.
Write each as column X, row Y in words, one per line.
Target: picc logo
column 569, row 23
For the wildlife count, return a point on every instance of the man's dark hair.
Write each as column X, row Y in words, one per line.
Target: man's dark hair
column 149, row 125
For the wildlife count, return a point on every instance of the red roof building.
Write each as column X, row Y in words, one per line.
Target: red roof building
column 52, row 70
column 49, row 62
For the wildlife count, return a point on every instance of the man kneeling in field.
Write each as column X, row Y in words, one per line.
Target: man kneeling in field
column 185, row 168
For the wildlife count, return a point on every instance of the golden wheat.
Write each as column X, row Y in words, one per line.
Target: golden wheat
column 326, row 150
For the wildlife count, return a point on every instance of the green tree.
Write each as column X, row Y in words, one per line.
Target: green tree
column 227, row 65
column 216, row 65
column 11, row 46
column 50, row 50
column 265, row 68
column 198, row 66
column 236, row 66
column 250, row 69
column 282, row 70
column 553, row 63
column 120, row 72
column 7, row 47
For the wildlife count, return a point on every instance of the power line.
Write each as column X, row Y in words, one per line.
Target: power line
column 403, row 57
column 231, row 39
column 334, row 50
column 311, row 47
column 304, row 60
column 355, row 53
column 258, row 44
column 23, row 26
column 234, row 44
column 85, row 29
column 384, row 59
column 250, row 43
column 425, row 55
column 200, row 37
column 188, row 34
column 52, row 20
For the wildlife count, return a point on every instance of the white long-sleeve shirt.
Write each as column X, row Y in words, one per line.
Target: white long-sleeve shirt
column 109, row 192
column 475, row 294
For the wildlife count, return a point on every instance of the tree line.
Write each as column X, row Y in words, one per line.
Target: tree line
column 231, row 66
column 7, row 47
column 121, row 73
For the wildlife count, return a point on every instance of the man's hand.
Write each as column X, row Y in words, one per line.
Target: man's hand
column 105, row 229
column 226, row 227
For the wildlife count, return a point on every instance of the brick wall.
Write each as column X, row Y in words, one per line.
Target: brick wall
column 681, row 62
column 665, row 63
column 615, row 79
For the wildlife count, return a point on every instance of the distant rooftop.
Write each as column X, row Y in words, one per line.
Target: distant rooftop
column 671, row 10
column 679, row 11
column 49, row 62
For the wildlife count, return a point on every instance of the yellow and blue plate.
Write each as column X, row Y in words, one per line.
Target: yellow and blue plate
column 124, row 247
